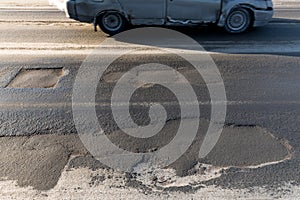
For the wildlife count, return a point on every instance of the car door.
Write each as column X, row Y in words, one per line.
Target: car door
column 145, row 12
column 203, row 10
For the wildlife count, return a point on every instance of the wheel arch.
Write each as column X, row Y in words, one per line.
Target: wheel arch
column 102, row 12
column 226, row 11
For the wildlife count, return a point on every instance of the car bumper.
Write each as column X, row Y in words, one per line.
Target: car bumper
column 71, row 9
column 262, row 17
column 73, row 13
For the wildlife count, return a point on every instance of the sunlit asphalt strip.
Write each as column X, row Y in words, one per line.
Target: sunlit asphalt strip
column 29, row 9
column 219, row 47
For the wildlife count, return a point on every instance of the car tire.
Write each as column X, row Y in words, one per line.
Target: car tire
column 112, row 23
column 238, row 21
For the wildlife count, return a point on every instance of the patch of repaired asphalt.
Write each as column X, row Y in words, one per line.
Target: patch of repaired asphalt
column 36, row 78
column 39, row 160
column 36, row 161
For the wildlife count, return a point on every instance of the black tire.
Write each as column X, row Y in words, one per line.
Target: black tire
column 112, row 23
column 238, row 21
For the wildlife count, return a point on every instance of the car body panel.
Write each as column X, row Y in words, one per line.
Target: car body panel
column 144, row 12
column 203, row 10
column 169, row 12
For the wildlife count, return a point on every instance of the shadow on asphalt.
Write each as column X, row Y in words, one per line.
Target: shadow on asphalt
column 279, row 30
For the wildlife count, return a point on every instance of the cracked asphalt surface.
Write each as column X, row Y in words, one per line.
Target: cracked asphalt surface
column 256, row 157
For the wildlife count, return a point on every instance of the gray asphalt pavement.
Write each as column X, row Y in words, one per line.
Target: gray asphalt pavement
column 261, row 74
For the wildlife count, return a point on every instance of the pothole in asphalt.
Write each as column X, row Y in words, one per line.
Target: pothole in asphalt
column 238, row 146
column 44, row 157
column 248, row 146
column 37, row 78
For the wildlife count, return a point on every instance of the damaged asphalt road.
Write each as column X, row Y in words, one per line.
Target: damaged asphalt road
column 261, row 95
column 258, row 150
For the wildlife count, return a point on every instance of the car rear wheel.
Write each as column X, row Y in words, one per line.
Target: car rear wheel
column 238, row 21
column 112, row 23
